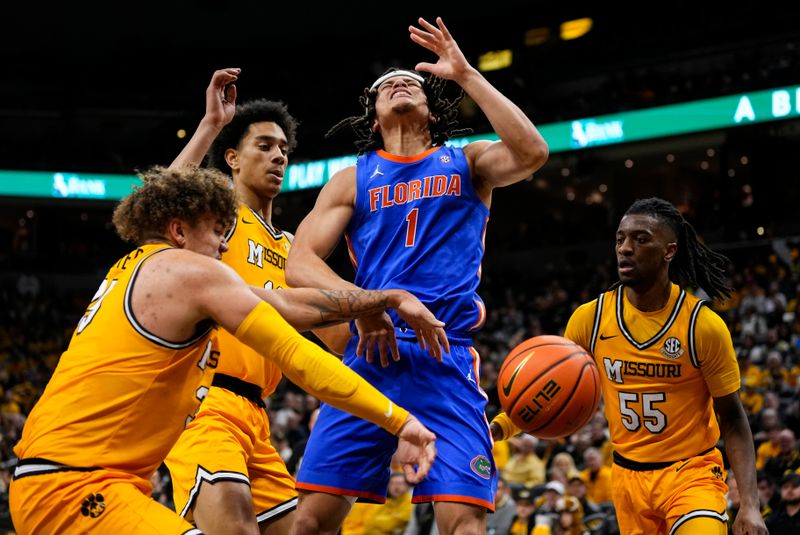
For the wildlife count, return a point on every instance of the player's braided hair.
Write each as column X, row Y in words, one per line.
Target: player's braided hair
column 443, row 109
column 694, row 263
column 254, row 111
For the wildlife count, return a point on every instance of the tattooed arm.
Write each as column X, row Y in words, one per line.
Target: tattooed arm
column 312, row 308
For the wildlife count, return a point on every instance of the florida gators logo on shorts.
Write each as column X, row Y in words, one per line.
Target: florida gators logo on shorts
column 93, row 505
column 481, row 466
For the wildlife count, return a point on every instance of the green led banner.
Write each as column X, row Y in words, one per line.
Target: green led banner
column 65, row 185
column 675, row 119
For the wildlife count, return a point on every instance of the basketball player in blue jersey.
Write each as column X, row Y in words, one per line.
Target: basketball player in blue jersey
column 414, row 214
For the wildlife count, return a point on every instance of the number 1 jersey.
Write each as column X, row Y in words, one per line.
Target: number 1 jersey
column 419, row 225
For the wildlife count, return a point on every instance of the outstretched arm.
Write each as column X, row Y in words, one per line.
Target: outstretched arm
column 521, row 149
column 207, row 288
column 738, row 439
column 220, row 109
column 314, row 308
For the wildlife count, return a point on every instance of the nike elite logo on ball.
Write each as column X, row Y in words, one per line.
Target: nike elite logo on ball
column 507, row 387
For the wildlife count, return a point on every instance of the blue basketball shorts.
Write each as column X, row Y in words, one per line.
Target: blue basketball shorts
column 349, row 456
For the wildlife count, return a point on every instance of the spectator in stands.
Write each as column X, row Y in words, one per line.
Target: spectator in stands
column 776, row 375
column 788, row 457
column 499, row 522
column 786, row 520
column 523, row 520
column 563, row 467
column 751, row 395
column 550, row 494
column 524, row 467
column 767, row 497
column 392, row 517
column 769, row 446
column 570, row 517
column 576, row 487
column 597, row 477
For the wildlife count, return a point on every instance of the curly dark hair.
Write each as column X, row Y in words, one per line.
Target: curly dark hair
column 186, row 193
column 694, row 264
column 444, row 109
column 254, row 111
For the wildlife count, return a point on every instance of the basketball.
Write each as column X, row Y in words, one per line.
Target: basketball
column 549, row 386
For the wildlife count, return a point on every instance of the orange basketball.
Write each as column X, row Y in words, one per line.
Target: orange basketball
column 549, row 386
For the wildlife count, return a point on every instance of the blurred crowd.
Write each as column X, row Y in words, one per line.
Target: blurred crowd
column 563, row 484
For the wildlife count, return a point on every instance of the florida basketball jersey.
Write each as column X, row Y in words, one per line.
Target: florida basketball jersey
column 113, row 373
column 419, row 225
column 652, row 363
column 257, row 252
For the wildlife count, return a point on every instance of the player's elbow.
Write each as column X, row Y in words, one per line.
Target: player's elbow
column 535, row 156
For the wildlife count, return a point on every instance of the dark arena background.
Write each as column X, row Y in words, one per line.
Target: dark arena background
column 697, row 105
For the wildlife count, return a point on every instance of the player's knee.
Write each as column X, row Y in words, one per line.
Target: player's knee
column 467, row 525
column 229, row 519
column 469, row 528
column 308, row 525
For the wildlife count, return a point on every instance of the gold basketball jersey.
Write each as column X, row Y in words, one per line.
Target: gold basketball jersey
column 120, row 395
column 257, row 252
column 661, row 370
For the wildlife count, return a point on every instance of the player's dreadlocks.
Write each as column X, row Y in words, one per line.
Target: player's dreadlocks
column 443, row 109
column 694, row 263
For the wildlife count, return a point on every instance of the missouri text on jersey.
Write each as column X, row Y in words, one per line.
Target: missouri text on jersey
column 258, row 253
column 617, row 369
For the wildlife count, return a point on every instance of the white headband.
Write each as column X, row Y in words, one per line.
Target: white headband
column 392, row 74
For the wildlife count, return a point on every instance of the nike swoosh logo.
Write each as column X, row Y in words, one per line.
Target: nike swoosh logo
column 388, row 413
column 608, row 337
column 246, row 222
column 681, row 466
column 507, row 387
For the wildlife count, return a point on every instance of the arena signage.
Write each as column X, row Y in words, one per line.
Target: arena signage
column 638, row 125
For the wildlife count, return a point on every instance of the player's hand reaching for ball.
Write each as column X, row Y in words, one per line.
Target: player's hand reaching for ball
column 416, row 450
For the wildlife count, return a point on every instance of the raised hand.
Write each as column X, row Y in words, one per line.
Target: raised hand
column 221, row 97
column 452, row 64
column 220, row 109
column 417, row 447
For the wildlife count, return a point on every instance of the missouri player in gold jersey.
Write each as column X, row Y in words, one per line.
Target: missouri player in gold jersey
column 226, row 474
column 141, row 358
column 671, row 381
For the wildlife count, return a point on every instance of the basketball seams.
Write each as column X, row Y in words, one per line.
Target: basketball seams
column 539, row 375
column 510, row 359
column 547, row 370
column 565, row 404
